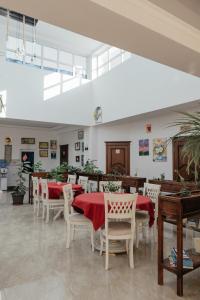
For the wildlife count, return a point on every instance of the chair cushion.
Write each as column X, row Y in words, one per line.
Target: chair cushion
column 118, row 228
column 79, row 218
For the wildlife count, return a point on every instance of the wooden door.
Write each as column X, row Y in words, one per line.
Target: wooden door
column 179, row 163
column 63, row 154
column 118, row 157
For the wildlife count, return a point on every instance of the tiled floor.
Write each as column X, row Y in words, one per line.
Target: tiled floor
column 34, row 264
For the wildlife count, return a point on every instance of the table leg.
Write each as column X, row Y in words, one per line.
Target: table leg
column 180, row 257
column 160, row 250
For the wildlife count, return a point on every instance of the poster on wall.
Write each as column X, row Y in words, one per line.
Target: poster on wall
column 53, row 154
column 160, row 149
column 144, row 147
column 27, row 159
column 53, row 144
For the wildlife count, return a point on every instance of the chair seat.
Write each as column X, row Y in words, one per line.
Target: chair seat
column 118, row 229
column 79, row 218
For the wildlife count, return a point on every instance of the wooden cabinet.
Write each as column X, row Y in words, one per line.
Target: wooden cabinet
column 173, row 186
column 173, row 209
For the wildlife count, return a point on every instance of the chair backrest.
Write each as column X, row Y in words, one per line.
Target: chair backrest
column 103, row 185
column 92, row 186
column 71, row 179
column 35, row 182
column 120, row 207
column 152, row 191
column 68, row 197
column 44, row 189
column 83, row 181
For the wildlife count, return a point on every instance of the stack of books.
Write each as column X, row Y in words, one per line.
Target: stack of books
column 187, row 261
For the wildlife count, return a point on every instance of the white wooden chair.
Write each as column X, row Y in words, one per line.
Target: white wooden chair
column 142, row 218
column 83, row 181
column 103, row 185
column 36, row 195
column 71, row 179
column 119, row 222
column 49, row 204
column 74, row 220
column 92, row 186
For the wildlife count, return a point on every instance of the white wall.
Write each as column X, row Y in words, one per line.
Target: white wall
column 24, row 86
column 16, row 133
column 140, row 85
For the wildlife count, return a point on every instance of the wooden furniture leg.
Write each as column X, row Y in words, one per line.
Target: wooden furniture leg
column 180, row 258
column 160, row 250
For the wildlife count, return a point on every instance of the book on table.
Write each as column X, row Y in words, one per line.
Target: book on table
column 187, row 261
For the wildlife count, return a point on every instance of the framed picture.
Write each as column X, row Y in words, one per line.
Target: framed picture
column 82, row 146
column 160, row 150
column 144, row 147
column 82, row 160
column 80, row 134
column 43, row 153
column 53, row 144
column 53, row 154
column 77, row 146
column 78, row 158
column 148, row 128
column 43, row 145
column 8, row 153
column 28, row 141
column 27, row 159
column 8, row 140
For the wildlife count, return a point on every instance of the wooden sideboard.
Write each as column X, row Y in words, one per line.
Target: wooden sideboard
column 173, row 209
column 173, row 186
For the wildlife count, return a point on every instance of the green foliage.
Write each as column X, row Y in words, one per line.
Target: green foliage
column 190, row 122
column 20, row 188
column 38, row 166
column 111, row 187
column 91, row 168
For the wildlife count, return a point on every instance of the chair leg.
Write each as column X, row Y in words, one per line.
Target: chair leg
column 68, row 235
column 43, row 211
column 155, row 232
column 92, row 238
column 38, row 208
column 101, row 245
column 34, row 206
column 47, row 216
column 127, row 246
column 107, row 254
column 131, row 258
column 137, row 235
column 73, row 232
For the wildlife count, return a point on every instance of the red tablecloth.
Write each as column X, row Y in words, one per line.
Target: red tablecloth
column 92, row 205
column 55, row 189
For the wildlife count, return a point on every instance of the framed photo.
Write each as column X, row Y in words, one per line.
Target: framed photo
column 8, row 140
column 80, row 134
column 53, row 144
column 43, row 153
column 53, row 154
column 77, row 146
column 82, row 146
column 82, row 160
column 28, row 141
column 160, row 150
column 43, row 145
column 144, row 147
column 78, row 158
column 27, row 159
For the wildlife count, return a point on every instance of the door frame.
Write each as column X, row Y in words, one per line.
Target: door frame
column 126, row 143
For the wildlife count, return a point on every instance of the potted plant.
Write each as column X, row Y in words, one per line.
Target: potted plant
column 189, row 126
column 91, row 168
column 20, row 189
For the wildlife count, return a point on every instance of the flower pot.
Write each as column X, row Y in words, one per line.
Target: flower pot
column 17, row 198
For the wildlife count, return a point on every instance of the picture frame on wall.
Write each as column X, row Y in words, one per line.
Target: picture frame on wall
column 77, row 158
column 80, row 134
column 43, row 145
column 82, row 160
column 43, row 153
column 53, row 154
column 28, row 141
column 77, row 146
column 82, row 146
column 53, row 144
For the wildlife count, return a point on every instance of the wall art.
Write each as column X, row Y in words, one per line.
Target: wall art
column 144, row 147
column 160, row 149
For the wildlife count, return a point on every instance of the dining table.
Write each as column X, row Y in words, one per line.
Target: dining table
column 92, row 206
column 56, row 189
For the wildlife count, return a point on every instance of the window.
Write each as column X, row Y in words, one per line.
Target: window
column 103, row 60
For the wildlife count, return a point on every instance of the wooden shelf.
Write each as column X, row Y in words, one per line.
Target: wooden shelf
column 196, row 263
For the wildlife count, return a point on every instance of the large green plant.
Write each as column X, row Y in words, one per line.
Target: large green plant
column 189, row 125
column 91, row 168
column 20, row 188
